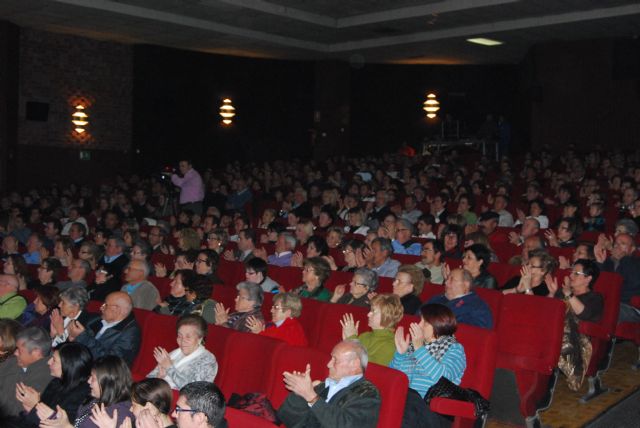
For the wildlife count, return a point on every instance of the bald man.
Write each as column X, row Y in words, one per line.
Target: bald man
column 11, row 303
column 344, row 399
column 117, row 334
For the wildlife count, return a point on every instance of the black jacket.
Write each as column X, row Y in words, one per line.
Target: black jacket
column 122, row 340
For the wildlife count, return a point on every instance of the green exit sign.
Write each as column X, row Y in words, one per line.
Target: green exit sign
column 85, row 155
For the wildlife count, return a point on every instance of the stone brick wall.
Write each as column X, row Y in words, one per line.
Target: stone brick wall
column 64, row 70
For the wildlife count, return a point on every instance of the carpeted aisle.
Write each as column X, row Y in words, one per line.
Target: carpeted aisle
column 567, row 412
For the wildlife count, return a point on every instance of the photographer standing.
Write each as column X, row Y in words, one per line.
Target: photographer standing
column 191, row 187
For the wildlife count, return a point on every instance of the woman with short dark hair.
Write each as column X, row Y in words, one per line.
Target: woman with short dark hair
column 151, row 398
column 38, row 313
column 430, row 351
column 476, row 261
column 70, row 365
column 315, row 272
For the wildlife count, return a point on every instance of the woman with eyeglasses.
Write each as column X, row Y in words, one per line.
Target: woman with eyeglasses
column 315, row 272
column 70, row 366
column 407, row 286
column 363, row 282
column 207, row 265
column 90, row 252
column 48, row 273
column 248, row 303
column 190, row 362
column 284, row 325
column 110, row 392
column 217, row 240
column 385, row 314
column 533, row 275
column 583, row 304
column 255, row 270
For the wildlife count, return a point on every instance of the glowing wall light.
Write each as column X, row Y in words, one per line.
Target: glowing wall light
column 227, row 111
column 431, row 106
column 80, row 119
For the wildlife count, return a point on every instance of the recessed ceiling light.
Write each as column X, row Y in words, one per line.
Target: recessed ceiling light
column 485, row 42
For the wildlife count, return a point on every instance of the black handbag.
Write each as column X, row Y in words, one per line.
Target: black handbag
column 444, row 388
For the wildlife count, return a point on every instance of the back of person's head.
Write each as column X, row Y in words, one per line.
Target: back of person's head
column 155, row 391
column 49, row 296
column 205, row 397
column 76, row 361
column 114, row 377
column 258, row 265
column 9, row 329
column 441, row 318
column 200, row 285
column 35, row 338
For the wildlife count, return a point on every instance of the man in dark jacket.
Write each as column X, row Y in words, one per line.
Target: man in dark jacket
column 344, row 399
column 117, row 334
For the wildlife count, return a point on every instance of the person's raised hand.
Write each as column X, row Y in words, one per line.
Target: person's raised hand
column 401, row 341
column 255, row 325
column 300, row 383
column 338, row 292
column 349, row 327
column 101, row 418
column 222, row 314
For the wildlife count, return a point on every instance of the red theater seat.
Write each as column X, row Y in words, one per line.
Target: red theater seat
column 309, row 318
column 337, row 278
column 602, row 332
column 162, row 284
column 168, row 260
column 529, row 339
column 226, row 295
column 290, row 358
column 247, row 361
column 392, row 385
column 216, row 342
column 158, row 330
column 631, row 331
column 289, row 277
column 493, row 298
column 503, row 272
column 241, row 419
column 230, row 273
column 480, row 347
column 329, row 329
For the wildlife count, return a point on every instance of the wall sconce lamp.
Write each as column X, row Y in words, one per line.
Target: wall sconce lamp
column 431, row 106
column 227, row 111
column 80, row 119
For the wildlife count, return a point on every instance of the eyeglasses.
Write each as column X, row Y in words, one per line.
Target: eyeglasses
column 179, row 409
column 427, row 249
column 276, row 307
column 105, row 306
column 213, row 238
column 347, row 251
column 575, row 272
column 360, row 284
column 202, row 261
column 250, row 272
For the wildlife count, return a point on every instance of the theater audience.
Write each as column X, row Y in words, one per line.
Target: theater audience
column 110, row 268
column 248, row 303
column 427, row 352
column 176, row 302
column 344, row 399
column 143, row 293
column 316, row 247
column 432, row 260
column 315, row 272
column 285, row 310
column 189, row 362
column 465, row 304
column 90, row 253
column 71, row 309
column 379, row 258
column 110, row 392
column 117, row 334
column 583, row 304
column 217, row 240
column 623, row 261
column 201, row 405
column 16, row 266
column 533, row 275
column 476, row 261
column 38, row 313
column 70, row 367
column 198, row 291
column 363, row 282
column 408, row 285
column 27, row 367
column 11, row 303
column 256, row 271
column 386, row 312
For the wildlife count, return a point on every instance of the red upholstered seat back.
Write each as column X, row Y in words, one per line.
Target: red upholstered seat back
column 329, row 323
column 241, row 419
column 216, row 342
column 480, row 347
column 157, row 330
column 168, row 260
column 337, row 278
column 290, row 358
column 392, row 385
column 530, row 333
column 503, row 272
column 309, row 318
column 289, row 277
column 226, row 295
column 230, row 273
column 493, row 298
column 247, row 362
column 162, row 284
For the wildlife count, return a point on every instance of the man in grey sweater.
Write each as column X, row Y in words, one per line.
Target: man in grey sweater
column 143, row 293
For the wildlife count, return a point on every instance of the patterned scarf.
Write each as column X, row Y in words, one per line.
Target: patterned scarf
column 440, row 346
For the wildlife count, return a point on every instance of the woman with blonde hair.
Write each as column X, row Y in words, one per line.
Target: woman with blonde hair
column 385, row 314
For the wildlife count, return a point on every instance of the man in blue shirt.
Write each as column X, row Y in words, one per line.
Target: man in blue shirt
column 464, row 303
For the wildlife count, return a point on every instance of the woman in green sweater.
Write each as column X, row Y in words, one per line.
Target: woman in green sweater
column 386, row 312
column 315, row 272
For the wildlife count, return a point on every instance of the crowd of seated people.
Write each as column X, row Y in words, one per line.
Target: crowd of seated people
column 409, row 220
